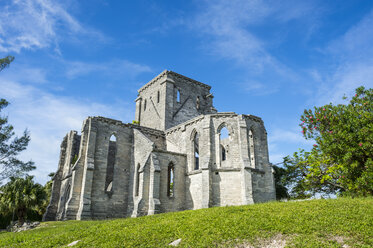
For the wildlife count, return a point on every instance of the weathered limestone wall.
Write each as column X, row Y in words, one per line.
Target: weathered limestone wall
column 143, row 147
column 262, row 177
column 177, row 201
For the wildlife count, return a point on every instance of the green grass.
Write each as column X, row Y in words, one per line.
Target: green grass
column 315, row 223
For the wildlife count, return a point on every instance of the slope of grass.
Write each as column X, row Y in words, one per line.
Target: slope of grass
column 315, row 223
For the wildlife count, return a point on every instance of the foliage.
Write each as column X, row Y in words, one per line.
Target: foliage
column 281, row 189
column 10, row 165
column 313, row 223
column 20, row 195
column 135, row 122
column 5, row 62
column 341, row 160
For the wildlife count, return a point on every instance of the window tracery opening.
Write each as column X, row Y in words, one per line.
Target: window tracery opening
column 196, row 151
column 171, row 177
column 112, row 152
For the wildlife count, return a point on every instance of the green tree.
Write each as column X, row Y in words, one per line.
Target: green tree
column 341, row 160
column 10, row 165
column 281, row 189
column 20, row 195
column 5, row 62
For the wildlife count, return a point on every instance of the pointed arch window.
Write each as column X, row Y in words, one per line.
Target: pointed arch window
column 112, row 153
column 196, row 151
column 171, row 180
column 223, row 144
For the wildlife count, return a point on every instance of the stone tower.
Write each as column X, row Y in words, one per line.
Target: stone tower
column 170, row 99
column 174, row 158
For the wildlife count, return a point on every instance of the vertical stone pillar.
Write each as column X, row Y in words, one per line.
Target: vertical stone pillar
column 72, row 205
column 246, row 173
column 138, row 110
column 84, row 211
column 51, row 210
column 205, row 162
column 154, row 184
column 169, row 103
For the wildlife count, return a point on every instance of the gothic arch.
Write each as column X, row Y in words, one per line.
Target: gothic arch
column 222, row 125
column 194, row 144
column 111, row 162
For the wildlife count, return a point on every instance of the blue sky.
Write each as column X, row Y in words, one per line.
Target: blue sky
column 272, row 59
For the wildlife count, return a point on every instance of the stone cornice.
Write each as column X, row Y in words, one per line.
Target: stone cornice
column 173, row 75
column 253, row 117
column 146, row 130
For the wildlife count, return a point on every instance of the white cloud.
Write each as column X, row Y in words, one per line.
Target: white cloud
column 114, row 67
column 285, row 141
column 49, row 117
column 35, row 24
column 227, row 28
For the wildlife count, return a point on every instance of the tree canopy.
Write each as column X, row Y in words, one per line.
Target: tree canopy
column 10, row 147
column 5, row 62
column 20, row 195
column 341, row 160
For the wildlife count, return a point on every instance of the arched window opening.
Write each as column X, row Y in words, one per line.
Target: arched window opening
column 223, row 154
column 112, row 152
column 158, row 96
column 224, row 133
column 196, row 151
column 251, row 148
column 223, row 144
column 171, row 177
column 178, row 96
column 137, row 180
column 197, row 103
column 144, row 104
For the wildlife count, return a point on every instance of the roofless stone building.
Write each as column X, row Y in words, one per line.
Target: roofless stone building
column 181, row 154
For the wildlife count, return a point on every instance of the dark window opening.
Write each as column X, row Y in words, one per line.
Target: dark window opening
column 137, row 180
column 158, row 96
column 112, row 152
column 196, row 151
column 144, row 104
column 171, row 177
column 223, row 153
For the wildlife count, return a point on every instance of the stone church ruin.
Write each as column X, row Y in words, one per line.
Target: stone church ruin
column 179, row 154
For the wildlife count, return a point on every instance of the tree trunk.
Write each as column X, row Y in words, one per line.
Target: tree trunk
column 21, row 212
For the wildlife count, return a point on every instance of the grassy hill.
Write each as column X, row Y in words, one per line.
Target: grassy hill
column 342, row 222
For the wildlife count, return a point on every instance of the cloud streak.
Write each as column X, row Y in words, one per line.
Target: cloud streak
column 37, row 24
column 49, row 117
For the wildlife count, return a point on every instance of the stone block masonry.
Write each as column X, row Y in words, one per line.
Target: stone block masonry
column 175, row 158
